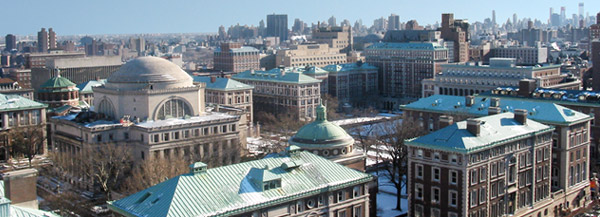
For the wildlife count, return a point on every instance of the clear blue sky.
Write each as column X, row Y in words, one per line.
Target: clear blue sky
column 67, row 17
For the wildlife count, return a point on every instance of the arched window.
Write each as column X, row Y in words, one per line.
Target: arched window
column 174, row 108
column 106, row 107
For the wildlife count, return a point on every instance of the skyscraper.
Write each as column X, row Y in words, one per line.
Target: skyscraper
column 515, row 20
column 42, row 43
column 581, row 11
column 277, row 25
column 332, row 21
column 596, row 65
column 394, row 22
column 494, row 17
column 51, row 39
column 11, row 42
column 563, row 15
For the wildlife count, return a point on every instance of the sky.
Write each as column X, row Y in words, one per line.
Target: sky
column 90, row 17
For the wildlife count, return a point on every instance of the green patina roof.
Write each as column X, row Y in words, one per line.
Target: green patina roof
column 321, row 133
column 228, row 190
column 15, row 103
column 406, row 46
column 545, row 112
column 222, row 83
column 495, row 129
column 314, row 70
column 348, row 67
column 287, row 75
column 87, row 86
column 58, row 82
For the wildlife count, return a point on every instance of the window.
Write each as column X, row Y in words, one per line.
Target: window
column 418, row 210
column 419, row 191
column 436, row 156
column 474, row 177
column 482, row 195
column 420, row 153
column 473, row 198
column 341, row 196
column 483, row 174
column 435, row 212
column 453, row 177
column 454, row 159
column 435, row 176
column 451, row 214
column 435, row 195
column 419, row 171
column 453, row 198
column 174, row 108
column 357, row 211
column 99, row 138
column 342, row 213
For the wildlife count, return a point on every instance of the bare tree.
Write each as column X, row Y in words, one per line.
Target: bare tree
column 153, row 171
column 396, row 152
column 28, row 140
column 332, row 105
column 106, row 165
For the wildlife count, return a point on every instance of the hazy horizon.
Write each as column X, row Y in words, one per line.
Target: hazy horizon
column 71, row 17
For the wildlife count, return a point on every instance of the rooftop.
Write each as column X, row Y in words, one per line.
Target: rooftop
column 222, row 83
column 560, row 96
column 86, row 87
column 15, row 103
column 348, row 67
column 545, row 112
column 232, row 190
column 286, row 75
column 239, row 50
column 57, row 82
column 494, row 129
column 407, row 46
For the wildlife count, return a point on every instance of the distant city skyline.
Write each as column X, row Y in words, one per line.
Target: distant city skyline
column 70, row 17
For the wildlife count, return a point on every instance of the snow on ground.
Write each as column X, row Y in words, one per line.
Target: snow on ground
column 386, row 198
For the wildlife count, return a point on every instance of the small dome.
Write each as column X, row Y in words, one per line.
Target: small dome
column 321, row 133
column 150, row 70
column 58, row 83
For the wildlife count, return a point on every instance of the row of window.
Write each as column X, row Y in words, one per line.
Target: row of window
column 436, row 195
column 437, row 156
column 168, row 136
column 435, row 212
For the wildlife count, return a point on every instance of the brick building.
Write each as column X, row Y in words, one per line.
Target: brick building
column 233, row 57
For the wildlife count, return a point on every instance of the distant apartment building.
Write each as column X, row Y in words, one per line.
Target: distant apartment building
column 338, row 37
column 596, row 64
column 38, row 60
column 570, row 150
column 320, row 74
column 456, row 31
column 283, row 91
column 77, row 70
column 9, row 86
column 402, row 67
column 233, row 57
column 309, row 55
column 524, row 55
column 23, row 76
column 490, row 166
column 462, row 79
column 352, row 83
column 42, row 41
column 11, row 42
column 595, row 29
column 277, row 26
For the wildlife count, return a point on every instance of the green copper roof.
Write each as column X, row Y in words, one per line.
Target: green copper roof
column 314, row 70
column 228, row 190
column 495, row 129
column 321, row 133
column 16, row 103
column 86, row 87
column 222, row 83
column 287, row 75
column 545, row 112
column 58, row 82
column 346, row 67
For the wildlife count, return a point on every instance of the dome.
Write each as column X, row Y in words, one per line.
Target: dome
column 321, row 133
column 150, row 70
column 58, row 82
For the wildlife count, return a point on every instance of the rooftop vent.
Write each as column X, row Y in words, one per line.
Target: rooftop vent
column 264, row 179
column 445, row 121
column 198, row 168
column 521, row 116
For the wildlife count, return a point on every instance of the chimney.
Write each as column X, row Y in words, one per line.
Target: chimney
column 474, row 126
column 494, row 110
column 20, row 187
column 469, row 101
column 526, row 87
column 227, row 76
column 213, row 79
column 495, row 102
column 521, row 116
column 445, row 121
